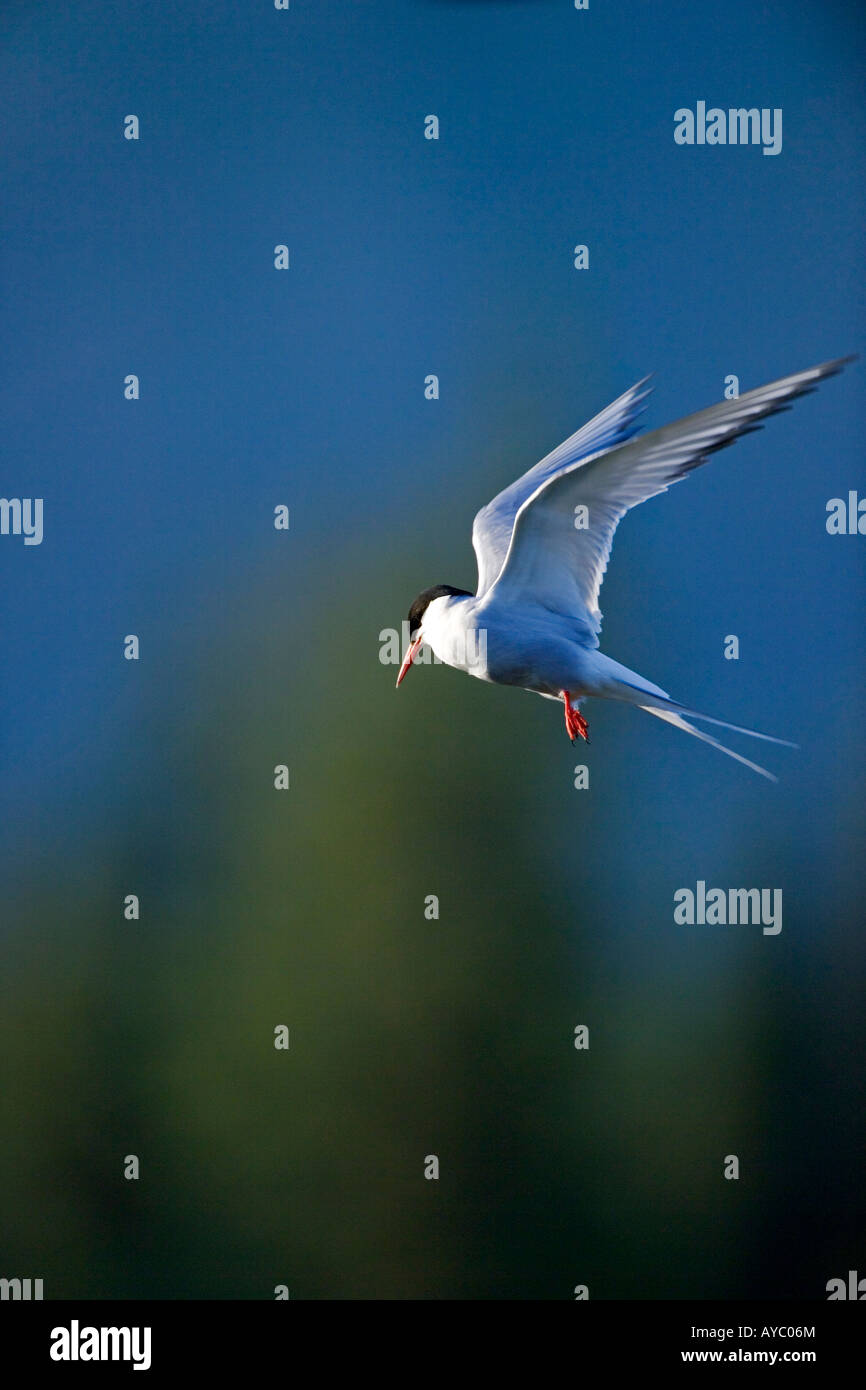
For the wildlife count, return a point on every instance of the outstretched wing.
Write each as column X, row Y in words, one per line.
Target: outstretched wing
column 553, row 563
column 492, row 527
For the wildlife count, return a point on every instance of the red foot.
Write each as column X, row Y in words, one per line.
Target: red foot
column 575, row 724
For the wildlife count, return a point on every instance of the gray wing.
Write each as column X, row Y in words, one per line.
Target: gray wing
column 552, row 563
column 491, row 530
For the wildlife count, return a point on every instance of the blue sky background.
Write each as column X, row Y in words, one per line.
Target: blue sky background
column 408, row 257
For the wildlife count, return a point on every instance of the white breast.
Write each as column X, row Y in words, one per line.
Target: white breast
column 452, row 629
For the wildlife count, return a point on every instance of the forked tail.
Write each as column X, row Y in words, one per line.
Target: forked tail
column 629, row 686
column 671, row 715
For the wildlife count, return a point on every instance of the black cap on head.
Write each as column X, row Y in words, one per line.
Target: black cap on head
column 419, row 607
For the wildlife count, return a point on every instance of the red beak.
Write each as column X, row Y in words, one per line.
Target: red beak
column 409, row 657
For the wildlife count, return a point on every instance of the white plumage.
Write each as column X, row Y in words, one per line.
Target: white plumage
column 534, row 621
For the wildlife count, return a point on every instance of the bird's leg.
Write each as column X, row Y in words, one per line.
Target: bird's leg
column 575, row 724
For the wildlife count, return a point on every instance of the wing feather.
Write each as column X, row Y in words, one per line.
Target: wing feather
column 560, row 567
column 491, row 530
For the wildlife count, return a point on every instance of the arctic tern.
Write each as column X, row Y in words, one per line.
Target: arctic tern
column 543, row 544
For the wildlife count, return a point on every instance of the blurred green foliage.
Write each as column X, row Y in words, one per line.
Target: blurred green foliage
column 408, row 1036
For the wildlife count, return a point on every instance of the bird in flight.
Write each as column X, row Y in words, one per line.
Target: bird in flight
column 543, row 544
